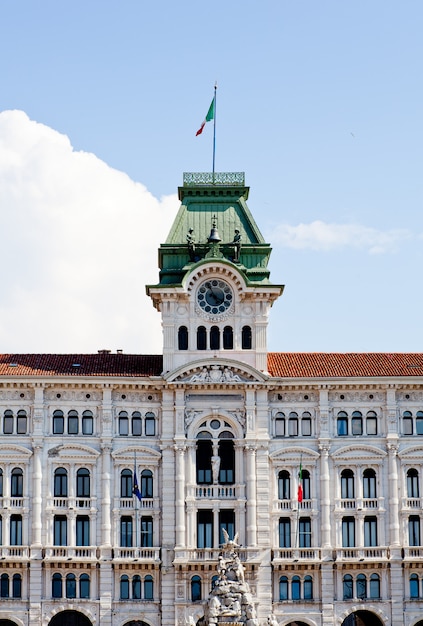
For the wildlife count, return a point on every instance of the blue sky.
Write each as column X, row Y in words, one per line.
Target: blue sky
column 319, row 102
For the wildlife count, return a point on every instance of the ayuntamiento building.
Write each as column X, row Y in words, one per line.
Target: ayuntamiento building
column 313, row 461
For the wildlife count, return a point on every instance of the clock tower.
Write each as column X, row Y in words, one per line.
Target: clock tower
column 214, row 293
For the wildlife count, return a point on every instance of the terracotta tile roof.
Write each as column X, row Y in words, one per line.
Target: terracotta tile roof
column 102, row 364
column 336, row 365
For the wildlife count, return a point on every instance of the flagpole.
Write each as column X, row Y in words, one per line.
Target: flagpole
column 214, row 130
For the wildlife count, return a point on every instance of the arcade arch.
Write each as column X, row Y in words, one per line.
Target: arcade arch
column 362, row 618
column 70, row 618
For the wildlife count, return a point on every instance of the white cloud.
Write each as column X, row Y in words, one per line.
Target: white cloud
column 321, row 236
column 78, row 244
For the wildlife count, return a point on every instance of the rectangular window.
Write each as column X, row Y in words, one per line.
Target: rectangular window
column 227, row 522
column 146, row 532
column 306, row 427
column 21, row 424
column 284, row 532
column 370, row 531
column 414, row 530
column 82, row 530
column 305, row 532
column 60, row 530
column 280, row 427
column 15, row 530
column 371, row 425
column 8, row 423
column 126, row 531
column 205, row 529
column 348, row 532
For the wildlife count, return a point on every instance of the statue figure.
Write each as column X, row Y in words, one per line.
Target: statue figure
column 215, row 461
column 272, row 621
column 229, row 544
column 191, row 244
column 237, row 245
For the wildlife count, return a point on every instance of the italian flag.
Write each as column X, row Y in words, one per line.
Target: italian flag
column 209, row 117
column 300, row 484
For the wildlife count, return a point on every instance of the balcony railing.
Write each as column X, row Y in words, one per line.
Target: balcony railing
column 216, row 491
column 214, row 178
column 294, row 505
column 413, row 552
column 74, row 502
column 137, row 554
column 362, row 554
column 211, row 554
column 12, row 502
column 297, row 554
column 412, row 503
column 134, row 503
column 70, row 552
column 14, row 552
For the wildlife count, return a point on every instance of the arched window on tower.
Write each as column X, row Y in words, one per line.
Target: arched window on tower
column 357, row 423
column 60, row 483
column 201, row 338
column 347, row 484
column 126, row 483
column 369, row 484
column 227, row 459
column 147, row 483
column 284, row 485
column 413, row 488
column 183, row 338
column 214, row 338
column 204, row 454
column 228, row 338
column 246, row 338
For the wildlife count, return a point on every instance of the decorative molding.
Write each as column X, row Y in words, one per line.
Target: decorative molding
column 214, row 374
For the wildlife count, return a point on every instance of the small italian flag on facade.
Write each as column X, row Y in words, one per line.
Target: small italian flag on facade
column 300, row 483
column 209, row 117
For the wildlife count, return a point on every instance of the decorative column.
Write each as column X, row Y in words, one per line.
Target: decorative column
column 251, row 496
column 325, row 495
column 180, row 496
column 394, row 529
column 106, row 524
column 36, row 539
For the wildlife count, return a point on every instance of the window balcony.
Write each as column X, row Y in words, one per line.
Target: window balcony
column 146, row 555
column 412, row 553
column 70, row 553
column 64, row 502
column 296, row 554
column 14, row 552
column 216, row 492
column 412, row 503
column 186, row 555
column 294, row 505
column 375, row 553
column 131, row 504
column 12, row 502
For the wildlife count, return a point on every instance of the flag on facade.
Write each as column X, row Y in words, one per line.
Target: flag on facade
column 135, row 489
column 209, row 117
column 300, row 483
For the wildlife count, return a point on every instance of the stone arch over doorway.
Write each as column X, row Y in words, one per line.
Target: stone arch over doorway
column 362, row 618
column 70, row 618
column 135, row 622
column 7, row 622
column 419, row 623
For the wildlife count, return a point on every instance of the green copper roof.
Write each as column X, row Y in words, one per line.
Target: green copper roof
column 214, row 201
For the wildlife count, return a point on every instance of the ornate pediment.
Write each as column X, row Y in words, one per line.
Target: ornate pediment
column 219, row 372
column 293, row 454
column 358, row 452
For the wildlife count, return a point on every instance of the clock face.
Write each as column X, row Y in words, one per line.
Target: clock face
column 214, row 297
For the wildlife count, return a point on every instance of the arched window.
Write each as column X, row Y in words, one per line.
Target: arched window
column 150, row 424
column 246, row 338
column 70, row 586
column 284, row 532
column 293, row 424
column 342, row 424
column 369, row 483
column 72, row 423
column 347, row 587
column 374, row 586
column 284, row 485
column 123, row 423
column 4, row 586
column 1, row 482
column 283, row 588
column 308, row 588
column 21, row 422
column 296, row 588
column 347, row 484
column 419, row 422
column 228, row 338
column 407, row 423
column 60, row 483
column 56, row 586
column 84, row 586
column 126, row 526
column 87, row 423
column 227, row 461
column 58, row 425
column 17, row 586
column 195, row 588
column 126, row 483
column 182, row 338
column 201, row 338
column 16, row 487
column 371, row 423
column 148, row 588
column 147, row 483
column 306, row 424
column 124, row 587
column 280, row 425
column 203, row 462
column 8, row 422
column 214, row 338
column 361, row 586
column 83, row 483
column 306, row 485
column 136, row 587
column 414, row 586
column 357, row 423
column 413, row 488
column 136, row 424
